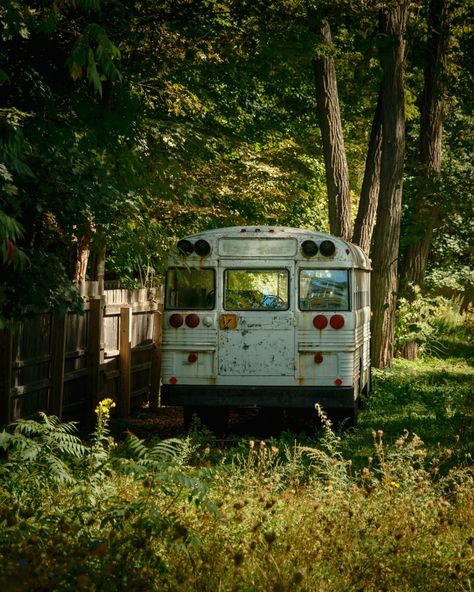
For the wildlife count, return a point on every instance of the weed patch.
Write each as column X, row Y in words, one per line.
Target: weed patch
column 388, row 506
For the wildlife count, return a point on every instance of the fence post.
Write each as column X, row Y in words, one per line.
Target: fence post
column 94, row 348
column 58, row 356
column 156, row 361
column 6, row 350
column 125, row 348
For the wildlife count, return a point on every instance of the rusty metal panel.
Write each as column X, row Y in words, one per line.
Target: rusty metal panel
column 261, row 345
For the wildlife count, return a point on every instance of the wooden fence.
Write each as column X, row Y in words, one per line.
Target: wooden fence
column 64, row 364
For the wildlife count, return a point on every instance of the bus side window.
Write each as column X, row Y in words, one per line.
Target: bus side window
column 190, row 288
column 324, row 289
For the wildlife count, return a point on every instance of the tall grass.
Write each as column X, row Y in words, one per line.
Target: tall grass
column 388, row 506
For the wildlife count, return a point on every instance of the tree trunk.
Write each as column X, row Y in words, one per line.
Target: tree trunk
column 337, row 174
column 427, row 209
column 431, row 131
column 367, row 211
column 387, row 227
column 83, row 251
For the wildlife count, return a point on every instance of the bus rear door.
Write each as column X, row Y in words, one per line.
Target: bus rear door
column 256, row 336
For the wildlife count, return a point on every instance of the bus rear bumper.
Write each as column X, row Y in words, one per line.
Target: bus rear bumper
column 302, row 397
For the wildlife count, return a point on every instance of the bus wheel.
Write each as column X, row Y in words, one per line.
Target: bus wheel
column 215, row 419
column 365, row 391
column 345, row 418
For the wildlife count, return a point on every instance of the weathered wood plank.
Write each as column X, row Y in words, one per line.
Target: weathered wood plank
column 95, row 349
column 125, row 360
column 155, row 377
column 58, row 354
column 6, row 351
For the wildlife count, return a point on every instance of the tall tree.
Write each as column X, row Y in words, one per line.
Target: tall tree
column 393, row 20
column 426, row 209
column 337, row 172
column 369, row 195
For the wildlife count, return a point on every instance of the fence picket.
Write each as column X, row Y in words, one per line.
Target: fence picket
column 6, row 347
column 58, row 356
column 64, row 364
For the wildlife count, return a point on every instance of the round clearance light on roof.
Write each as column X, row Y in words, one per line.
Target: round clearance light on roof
column 185, row 247
column 320, row 322
column 202, row 248
column 327, row 248
column 176, row 320
column 192, row 320
column 337, row 321
column 309, row 248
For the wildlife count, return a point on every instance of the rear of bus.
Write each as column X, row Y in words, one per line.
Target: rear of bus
column 266, row 317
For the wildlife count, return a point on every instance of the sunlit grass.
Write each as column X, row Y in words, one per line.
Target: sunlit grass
column 388, row 506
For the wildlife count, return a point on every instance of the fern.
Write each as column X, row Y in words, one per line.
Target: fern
column 166, row 464
column 42, row 451
column 173, row 452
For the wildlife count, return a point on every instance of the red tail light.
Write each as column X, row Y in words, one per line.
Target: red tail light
column 320, row 322
column 192, row 320
column 318, row 358
column 192, row 358
column 337, row 321
column 338, row 382
column 176, row 320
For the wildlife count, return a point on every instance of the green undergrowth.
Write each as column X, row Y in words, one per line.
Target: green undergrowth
column 388, row 506
column 432, row 397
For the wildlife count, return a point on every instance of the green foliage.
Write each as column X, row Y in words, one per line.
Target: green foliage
column 133, row 123
column 95, row 514
column 363, row 508
column 39, row 451
column 93, row 54
column 415, row 319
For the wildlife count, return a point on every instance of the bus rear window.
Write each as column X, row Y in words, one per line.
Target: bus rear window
column 256, row 289
column 190, row 288
column 324, row 289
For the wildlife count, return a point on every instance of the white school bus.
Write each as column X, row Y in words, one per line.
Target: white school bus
column 266, row 317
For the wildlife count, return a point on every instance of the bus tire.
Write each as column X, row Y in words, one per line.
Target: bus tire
column 345, row 419
column 215, row 419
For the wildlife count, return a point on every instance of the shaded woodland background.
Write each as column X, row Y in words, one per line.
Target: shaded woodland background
column 124, row 125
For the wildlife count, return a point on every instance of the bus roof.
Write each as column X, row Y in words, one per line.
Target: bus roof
column 351, row 252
